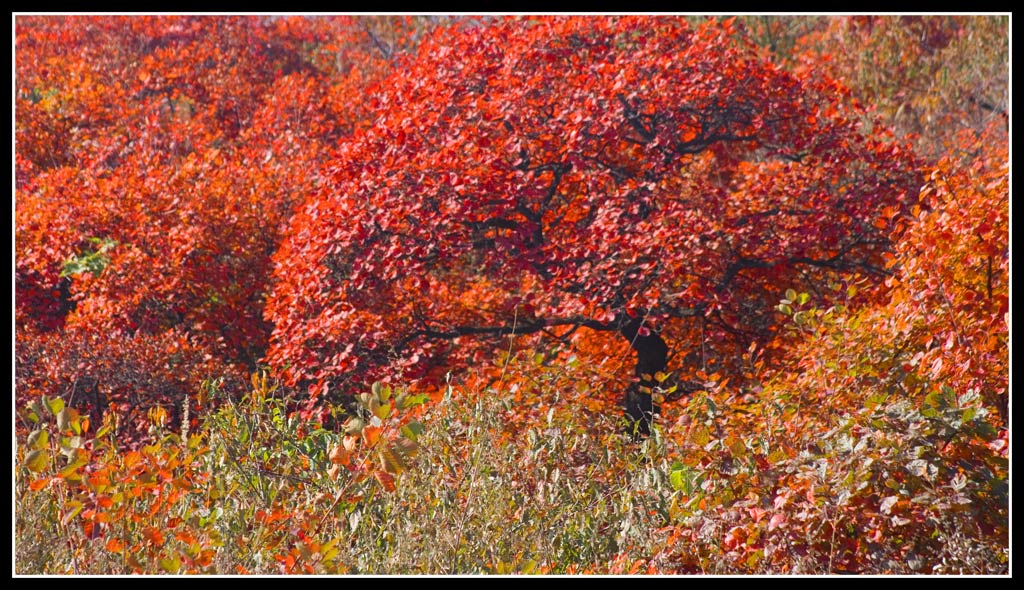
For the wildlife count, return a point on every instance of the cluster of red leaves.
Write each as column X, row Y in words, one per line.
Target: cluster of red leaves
column 883, row 446
column 951, row 297
column 580, row 171
column 157, row 160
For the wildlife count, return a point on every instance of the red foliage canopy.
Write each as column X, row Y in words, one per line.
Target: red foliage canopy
column 620, row 174
column 157, row 160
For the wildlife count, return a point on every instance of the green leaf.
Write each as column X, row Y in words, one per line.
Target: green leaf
column 55, row 405
column 329, row 550
column 69, row 453
column 681, row 478
column 986, row 431
column 37, row 460
column 89, row 261
column 70, row 472
column 791, row 294
column 382, row 411
column 76, row 507
column 37, row 440
column 171, row 565
column 941, row 400
column 76, row 425
column 411, row 401
column 875, row 400
column 412, row 430
column 354, row 426
column 63, row 417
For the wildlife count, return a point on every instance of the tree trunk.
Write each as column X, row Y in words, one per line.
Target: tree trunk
column 651, row 358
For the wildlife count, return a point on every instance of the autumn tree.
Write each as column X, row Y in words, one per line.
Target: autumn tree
column 632, row 176
column 157, row 159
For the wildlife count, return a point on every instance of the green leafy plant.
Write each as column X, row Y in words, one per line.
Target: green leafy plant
column 91, row 261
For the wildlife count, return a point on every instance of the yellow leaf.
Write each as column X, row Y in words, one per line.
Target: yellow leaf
column 171, row 565
column 389, row 461
column 37, row 460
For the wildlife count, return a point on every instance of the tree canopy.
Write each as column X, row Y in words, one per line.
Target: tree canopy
column 616, row 174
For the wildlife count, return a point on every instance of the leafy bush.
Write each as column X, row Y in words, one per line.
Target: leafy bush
column 726, row 484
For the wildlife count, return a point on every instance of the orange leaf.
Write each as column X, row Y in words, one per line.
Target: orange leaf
column 371, row 434
column 386, row 479
column 39, row 484
column 185, row 537
column 154, row 536
column 339, row 455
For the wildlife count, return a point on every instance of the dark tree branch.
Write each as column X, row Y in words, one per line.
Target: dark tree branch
column 734, row 269
column 381, row 46
column 633, row 118
column 988, row 106
column 518, row 327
